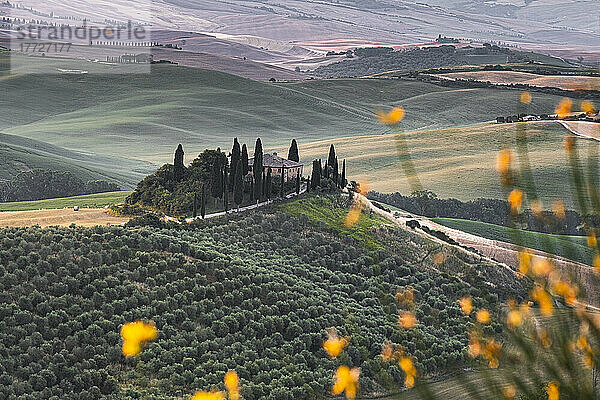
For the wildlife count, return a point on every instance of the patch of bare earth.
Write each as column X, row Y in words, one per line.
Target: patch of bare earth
column 62, row 217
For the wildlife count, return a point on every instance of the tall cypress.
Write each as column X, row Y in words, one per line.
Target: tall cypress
column 238, row 185
column 245, row 167
column 236, row 155
column 203, row 206
column 308, row 185
column 252, row 197
column 178, row 168
column 293, row 152
column 216, row 180
column 263, row 189
column 195, row 206
column 336, row 173
column 282, row 183
column 331, row 160
column 257, row 169
column 344, row 183
column 316, row 174
column 297, row 183
column 269, row 184
column 226, row 191
column 324, row 171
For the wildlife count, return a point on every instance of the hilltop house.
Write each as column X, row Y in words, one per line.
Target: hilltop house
column 290, row 168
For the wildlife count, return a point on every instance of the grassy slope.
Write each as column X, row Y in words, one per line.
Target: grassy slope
column 457, row 162
column 571, row 247
column 119, row 114
column 323, row 209
column 86, row 201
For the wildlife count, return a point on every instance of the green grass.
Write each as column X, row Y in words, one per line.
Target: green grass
column 571, row 247
column 328, row 210
column 458, row 162
column 86, row 201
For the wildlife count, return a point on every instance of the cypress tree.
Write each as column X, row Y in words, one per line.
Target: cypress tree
column 316, row 174
column 297, row 183
column 203, row 206
column 263, row 188
column 236, row 156
column 245, row 167
column 252, row 190
column 257, row 169
column 324, row 170
column 344, row 183
column 195, row 206
column 293, row 152
column 331, row 160
column 282, row 184
column 238, row 185
column 225, row 191
column 336, row 174
column 268, row 184
column 178, row 168
column 216, row 181
column 308, row 185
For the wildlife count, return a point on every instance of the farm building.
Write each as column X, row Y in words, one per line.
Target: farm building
column 277, row 164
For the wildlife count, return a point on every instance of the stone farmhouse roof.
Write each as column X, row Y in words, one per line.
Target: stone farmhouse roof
column 274, row 161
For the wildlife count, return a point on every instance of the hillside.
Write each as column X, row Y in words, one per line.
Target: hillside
column 254, row 293
column 117, row 114
column 459, row 162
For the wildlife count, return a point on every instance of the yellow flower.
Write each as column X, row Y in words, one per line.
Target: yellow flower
column 387, row 351
column 232, row 384
column 409, row 370
column 474, row 345
column 568, row 292
column 483, row 317
column 346, row 380
column 135, row 335
column 209, row 396
column 392, row 118
column 558, row 207
column 466, row 305
column 491, row 352
column 543, row 299
column 569, row 143
column 588, row 107
column 526, row 98
column 544, row 338
column 334, row 344
column 514, row 319
column 406, row 297
column 591, row 240
column 509, row 392
column 597, row 262
column 439, row 258
column 352, row 217
column 515, row 199
column 525, row 258
column 552, row 391
column 582, row 343
column 564, row 108
column 537, row 208
column 503, row 165
column 541, row 266
column 407, row 320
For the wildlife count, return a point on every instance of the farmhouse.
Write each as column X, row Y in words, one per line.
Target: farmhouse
column 277, row 164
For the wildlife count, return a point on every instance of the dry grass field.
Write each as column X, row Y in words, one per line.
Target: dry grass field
column 61, row 217
column 508, row 77
column 458, row 162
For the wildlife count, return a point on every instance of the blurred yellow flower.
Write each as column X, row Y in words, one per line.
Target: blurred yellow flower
column 474, row 345
column 568, row 292
column 552, row 391
column 564, row 108
column 525, row 258
column 406, row 297
column 543, row 299
column 334, row 344
column 588, row 107
column 135, row 335
column 526, row 98
column 346, row 380
column 483, row 317
column 407, row 320
column 232, row 384
column 466, row 305
column 541, row 266
column 387, row 351
column 592, row 242
column 439, row 258
column 569, row 143
column 515, row 199
column 392, row 118
column 352, row 217
column 544, row 338
column 558, row 207
column 537, row 208
column 491, row 352
column 597, row 262
column 514, row 319
column 503, row 165
column 409, row 370
column 209, row 396
column 509, row 392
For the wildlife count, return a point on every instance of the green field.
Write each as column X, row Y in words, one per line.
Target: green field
column 458, row 162
column 121, row 114
column 571, row 247
column 86, row 201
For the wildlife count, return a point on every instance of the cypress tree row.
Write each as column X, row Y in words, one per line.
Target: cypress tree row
column 245, row 167
column 293, row 152
column 268, row 184
column 178, row 168
column 203, row 207
column 236, row 155
column 258, row 170
column 238, row 185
